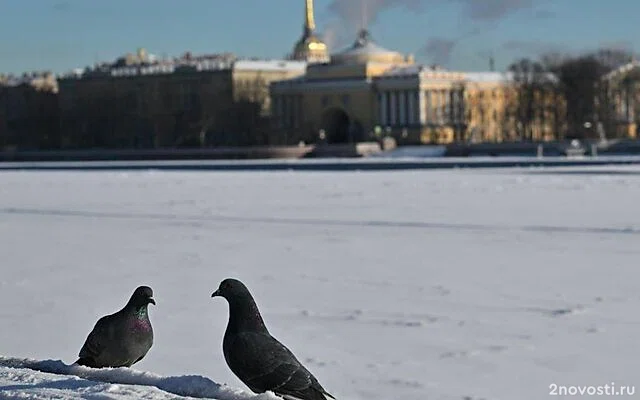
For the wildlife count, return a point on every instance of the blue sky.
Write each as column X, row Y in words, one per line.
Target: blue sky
column 460, row 34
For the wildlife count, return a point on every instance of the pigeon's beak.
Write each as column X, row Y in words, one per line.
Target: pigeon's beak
column 152, row 301
column 216, row 293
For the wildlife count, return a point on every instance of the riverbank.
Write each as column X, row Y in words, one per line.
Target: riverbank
column 336, row 164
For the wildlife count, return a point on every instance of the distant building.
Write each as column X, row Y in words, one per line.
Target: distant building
column 335, row 99
column 141, row 101
column 623, row 85
column 363, row 92
column 29, row 112
column 366, row 91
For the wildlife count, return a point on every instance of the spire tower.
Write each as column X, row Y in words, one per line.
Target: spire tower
column 310, row 48
column 309, row 20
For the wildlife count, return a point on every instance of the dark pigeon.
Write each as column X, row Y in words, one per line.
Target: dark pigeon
column 121, row 339
column 256, row 357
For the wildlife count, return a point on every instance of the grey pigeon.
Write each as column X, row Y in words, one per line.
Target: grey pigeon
column 121, row 339
column 256, row 357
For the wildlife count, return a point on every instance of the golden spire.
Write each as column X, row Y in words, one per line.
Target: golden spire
column 309, row 21
column 310, row 47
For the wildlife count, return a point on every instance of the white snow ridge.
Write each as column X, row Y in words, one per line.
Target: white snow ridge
column 53, row 379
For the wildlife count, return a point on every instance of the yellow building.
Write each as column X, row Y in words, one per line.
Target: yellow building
column 142, row 102
column 366, row 91
column 623, row 85
column 445, row 106
column 29, row 112
column 334, row 98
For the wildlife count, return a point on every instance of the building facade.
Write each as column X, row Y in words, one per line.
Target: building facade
column 360, row 93
column 29, row 112
column 142, row 102
column 623, row 92
column 367, row 91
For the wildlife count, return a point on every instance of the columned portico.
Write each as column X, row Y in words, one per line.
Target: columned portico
column 424, row 105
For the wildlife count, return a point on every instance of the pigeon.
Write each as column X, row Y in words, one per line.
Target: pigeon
column 259, row 360
column 121, row 339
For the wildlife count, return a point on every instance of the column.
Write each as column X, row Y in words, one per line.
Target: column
column 445, row 106
column 412, row 107
column 451, row 106
column 429, row 107
column 454, row 107
column 627, row 105
column 384, row 100
column 446, row 94
column 403, row 109
column 459, row 106
column 294, row 111
column 462, row 106
column 422, row 106
column 278, row 110
column 289, row 111
column 283, row 114
column 438, row 106
column 619, row 109
column 433, row 108
column 300, row 111
column 393, row 100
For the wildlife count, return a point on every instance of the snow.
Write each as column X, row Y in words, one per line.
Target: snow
column 53, row 378
column 271, row 65
column 497, row 77
column 433, row 284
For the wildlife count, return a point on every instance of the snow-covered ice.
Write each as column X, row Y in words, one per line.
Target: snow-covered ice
column 448, row 284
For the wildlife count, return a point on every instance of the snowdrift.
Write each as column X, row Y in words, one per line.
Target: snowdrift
column 34, row 379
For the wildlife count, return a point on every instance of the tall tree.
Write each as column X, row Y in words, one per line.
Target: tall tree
column 580, row 84
column 533, row 90
column 589, row 98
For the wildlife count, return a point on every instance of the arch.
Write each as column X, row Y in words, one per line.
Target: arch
column 336, row 124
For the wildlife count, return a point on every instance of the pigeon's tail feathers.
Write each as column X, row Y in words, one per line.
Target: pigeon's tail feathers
column 329, row 395
column 326, row 395
column 319, row 392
